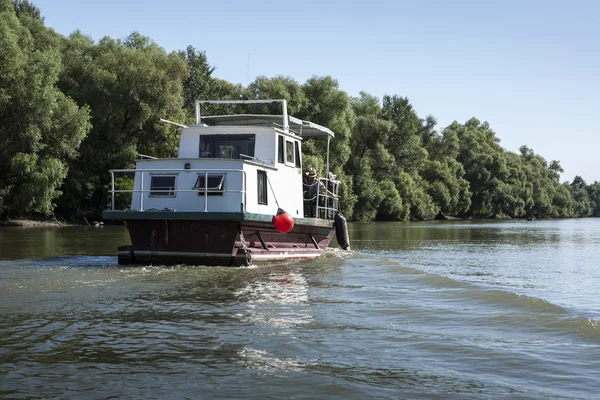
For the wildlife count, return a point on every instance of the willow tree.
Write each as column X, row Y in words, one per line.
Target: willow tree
column 594, row 195
column 197, row 85
column 583, row 206
column 200, row 84
column 329, row 106
column 278, row 87
column 129, row 85
column 370, row 165
column 41, row 128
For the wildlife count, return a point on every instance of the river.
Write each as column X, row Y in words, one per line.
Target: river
column 467, row 309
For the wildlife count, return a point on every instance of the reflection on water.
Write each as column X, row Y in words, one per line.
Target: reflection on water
column 263, row 361
column 278, row 304
column 280, row 301
column 280, row 287
column 416, row 235
column 35, row 243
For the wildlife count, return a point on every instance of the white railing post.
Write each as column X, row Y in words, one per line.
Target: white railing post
column 197, row 111
column 317, row 204
column 286, row 121
column 244, row 199
column 112, row 190
column 205, row 191
column 142, row 192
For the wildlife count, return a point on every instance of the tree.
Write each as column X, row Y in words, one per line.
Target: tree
column 446, row 186
column 329, row 106
column 405, row 141
column 582, row 206
column 445, row 176
column 197, row 85
column 392, row 206
column 594, row 195
column 41, row 128
column 371, row 164
column 413, row 190
column 484, row 164
column 366, row 105
column 200, row 84
column 129, row 85
column 279, row 87
column 368, row 194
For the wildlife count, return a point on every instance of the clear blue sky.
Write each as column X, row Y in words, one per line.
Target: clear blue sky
column 531, row 68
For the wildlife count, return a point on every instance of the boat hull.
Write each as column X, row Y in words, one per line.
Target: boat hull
column 235, row 239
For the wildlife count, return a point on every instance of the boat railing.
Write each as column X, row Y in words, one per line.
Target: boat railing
column 321, row 205
column 246, row 157
column 146, row 157
column 206, row 191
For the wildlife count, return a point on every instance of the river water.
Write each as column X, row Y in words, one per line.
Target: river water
column 461, row 310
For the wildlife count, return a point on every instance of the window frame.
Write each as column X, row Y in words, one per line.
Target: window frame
column 210, row 190
column 297, row 154
column 292, row 162
column 280, row 149
column 211, row 141
column 171, row 189
column 262, row 192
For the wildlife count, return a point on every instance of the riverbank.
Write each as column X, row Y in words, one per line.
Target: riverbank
column 33, row 223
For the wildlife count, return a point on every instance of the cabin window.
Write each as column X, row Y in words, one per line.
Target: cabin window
column 261, row 179
column 297, row 147
column 280, row 153
column 214, row 186
column 162, row 185
column 227, row 146
column 289, row 153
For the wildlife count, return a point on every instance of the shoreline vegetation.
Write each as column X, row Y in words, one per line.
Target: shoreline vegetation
column 32, row 223
column 73, row 107
column 40, row 221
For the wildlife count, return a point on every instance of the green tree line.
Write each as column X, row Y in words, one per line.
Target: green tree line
column 72, row 108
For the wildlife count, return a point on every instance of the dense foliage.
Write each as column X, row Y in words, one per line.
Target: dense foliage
column 41, row 127
column 72, row 108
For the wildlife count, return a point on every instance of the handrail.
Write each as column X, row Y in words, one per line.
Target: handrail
column 146, row 157
column 246, row 157
column 206, row 172
column 283, row 102
column 330, row 203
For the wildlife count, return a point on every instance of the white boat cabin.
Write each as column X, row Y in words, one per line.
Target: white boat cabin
column 235, row 163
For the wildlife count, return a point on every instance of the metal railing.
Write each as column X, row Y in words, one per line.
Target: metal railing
column 166, row 171
column 321, row 205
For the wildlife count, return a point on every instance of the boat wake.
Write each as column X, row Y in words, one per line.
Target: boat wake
column 487, row 305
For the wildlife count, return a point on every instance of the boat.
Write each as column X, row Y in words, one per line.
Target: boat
column 236, row 194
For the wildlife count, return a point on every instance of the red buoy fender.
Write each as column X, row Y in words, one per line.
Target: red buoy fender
column 283, row 221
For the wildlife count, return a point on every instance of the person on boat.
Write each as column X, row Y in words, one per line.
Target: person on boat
column 313, row 182
column 313, row 186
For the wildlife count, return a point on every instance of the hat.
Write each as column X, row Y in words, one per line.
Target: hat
column 311, row 172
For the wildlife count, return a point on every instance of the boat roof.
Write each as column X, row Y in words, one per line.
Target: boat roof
column 305, row 129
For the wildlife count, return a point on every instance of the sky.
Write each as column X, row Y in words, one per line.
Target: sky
column 530, row 68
